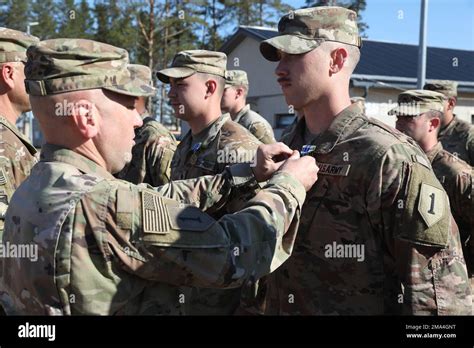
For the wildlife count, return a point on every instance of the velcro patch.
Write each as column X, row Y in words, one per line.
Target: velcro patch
column 155, row 216
column 334, row 169
column 421, row 160
column 189, row 218
column 432, row 204
column 124, row 209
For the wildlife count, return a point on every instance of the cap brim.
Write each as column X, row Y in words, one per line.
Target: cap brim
column 290, row 44
column 133, row 89
column 175, row 73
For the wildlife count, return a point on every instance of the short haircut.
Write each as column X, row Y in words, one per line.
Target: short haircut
column 353, row 52
column 435, row 114
column 219, row 80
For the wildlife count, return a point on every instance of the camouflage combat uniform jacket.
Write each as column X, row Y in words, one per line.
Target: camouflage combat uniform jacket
column 151, row 155
column 222, row 143
column 106, row 246
column 256, row 124
column 458, row 138
column 208, row 153
column 376, row 233
column 456, row 176
column 17, row 157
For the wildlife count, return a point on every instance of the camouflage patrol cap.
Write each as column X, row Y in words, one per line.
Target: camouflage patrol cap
column 65, row 65
column 447, row 87
column 236, row 78
column 418, row 101
column 13, row 45
column 142, row 73
column 187, row 63
column 303, row 30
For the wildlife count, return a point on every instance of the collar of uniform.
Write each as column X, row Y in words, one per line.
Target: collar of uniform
column 341, row 127
column 56, row 153
column 449, row 128
column 241, row 113
column 146, row 119
column 24, row 140
column 434, row 151
column 208, row 134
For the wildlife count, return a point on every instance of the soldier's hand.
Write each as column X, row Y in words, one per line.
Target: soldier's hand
column 304, row 169
column 268, row 159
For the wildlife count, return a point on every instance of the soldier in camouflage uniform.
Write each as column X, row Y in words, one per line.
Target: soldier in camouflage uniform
column 17, row 155
column 421, row 120
column 107, row 246
column 213, row 142
column 234, row 102
column 154, row 144
column 376, row 233
column 457, row 136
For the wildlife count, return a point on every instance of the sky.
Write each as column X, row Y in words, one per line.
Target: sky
column 450, row 22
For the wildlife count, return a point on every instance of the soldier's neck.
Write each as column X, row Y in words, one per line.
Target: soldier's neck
column 320, row 113
column 8, row 110
column 448, row 117
column 428, row 143
column 200, row 122
column 89, row 151
column 235, row 111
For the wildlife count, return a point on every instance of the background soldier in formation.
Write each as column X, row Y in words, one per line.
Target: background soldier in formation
column 17, row 155
column 419, row 116
column 105, row 245
column 197, row 80
column 234, row 101
column 154, row 144
column 457, row 136
column 376, row 192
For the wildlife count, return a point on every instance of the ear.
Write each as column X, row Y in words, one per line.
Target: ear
column 86, row 117
column 211, row 87
column 239, row 93
column 338, row 59
column 7, row 72
column 451, row 103
column 435, row 123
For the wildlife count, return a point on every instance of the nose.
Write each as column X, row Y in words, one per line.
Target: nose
column 137, row 120
column 171, row 92
column 281, row 69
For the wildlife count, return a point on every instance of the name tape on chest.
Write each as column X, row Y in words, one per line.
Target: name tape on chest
column 334, row 169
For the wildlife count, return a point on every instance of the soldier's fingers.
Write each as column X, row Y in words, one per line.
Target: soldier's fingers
column 272, row 150
column 295, row 155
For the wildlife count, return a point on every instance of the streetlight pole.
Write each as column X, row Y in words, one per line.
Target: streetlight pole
column 422, row 44
column 29, row 114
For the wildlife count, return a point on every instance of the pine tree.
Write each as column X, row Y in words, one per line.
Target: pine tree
column 43, row 12
column 14, row 14
column 75, row 21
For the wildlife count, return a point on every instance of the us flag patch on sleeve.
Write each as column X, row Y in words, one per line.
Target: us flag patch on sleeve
column 155, row 215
